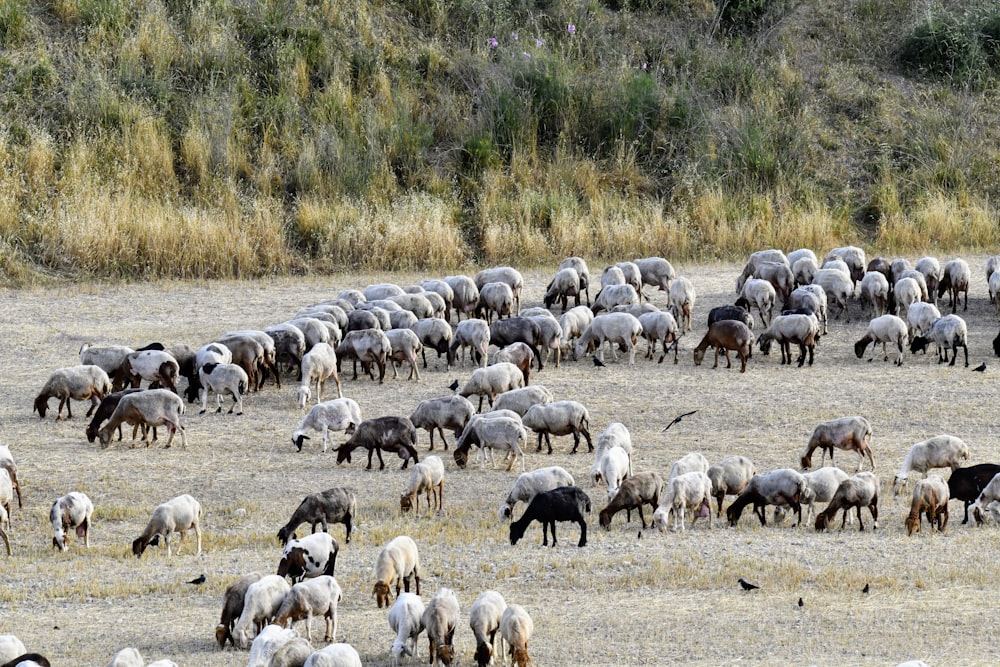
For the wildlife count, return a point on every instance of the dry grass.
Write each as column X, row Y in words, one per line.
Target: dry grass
column 662, row 599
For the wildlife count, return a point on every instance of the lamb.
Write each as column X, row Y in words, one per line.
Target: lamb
column 690, row 462
column 948, row 332
column 966, row 484
column 858, row 491
column 466, row 295
column 406, row 620
column 334, row 655
column 614, row 468
column 503, row 274
column 838, row 288
column 783, row 486
column 498, row 432
column 271, row 639
column 153, row 407
column 81, row 383
column 875, row 292
column 804, row 270
column 559, row 418
column 435, row 334
column 689, row 491
column 223, row 379
column 883, row 329
column 336, row 505
column 405, row 345
column 615, row 435
column 955, row 280
column 614, row 295
column 813, row 298
column 260, row 605
column 644, row 488
column 930, row 497
column 312, row 556
column 475, row 334
column 938, row 452
column 151, row 365
column 565, row 284
column 315, row 597
column 759, row 293
column 177, row 515
column 484, row 619
column 7, row 463
column 520, row 400
column 847, row 433
column 440, row 618
column 396, row 563
column 426, row 476
column 657, row 272
column 74, row 510
column 338, row 414
column 573, row 323
column 516, row 628
column 390, row 434
column 530, row 484
column 682, row 299
column 520, row 354
column 729, row 477
column 919, row 318
column 451, row 412
column 492, row 380
column 821, row 485
column 726, row 335
column 232, row 607
column 566, row 503
column 906, row 291
column 613, row 329
column 802, row 330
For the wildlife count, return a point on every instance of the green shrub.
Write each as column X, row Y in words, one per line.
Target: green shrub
column 944, row 45
column 13, row 23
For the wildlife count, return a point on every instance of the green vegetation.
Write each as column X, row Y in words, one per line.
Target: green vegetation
column 209, row 138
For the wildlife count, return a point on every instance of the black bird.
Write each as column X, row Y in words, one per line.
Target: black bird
column 981, row 368
column 801, row 603
column 199, row 581
column 598, row 362
column 678, row 418
column 747, row 586
column 453, row 386
column 640, row 535
column 866, row 588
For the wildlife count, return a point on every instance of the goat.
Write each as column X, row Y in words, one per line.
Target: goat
column 566, row 503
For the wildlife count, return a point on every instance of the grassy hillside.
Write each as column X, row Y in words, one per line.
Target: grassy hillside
column 202, row 138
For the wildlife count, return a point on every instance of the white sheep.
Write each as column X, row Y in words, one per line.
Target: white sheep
column 334, row 655
column 682, row 300
column 473, row 333
column 659, row 326
column 756, row 259
column 565, row 284
column 484, row 619
column 800, row 253
column 150, row 365
column 858, row 491
column 74, row 510
column 949, row 333
column 292, row 653
column 491, row 381
column 803, row 330
column 729, row 477
column 232, row 606
column 153, row 407
column 369, row 346
column 127, row 657
column 81, row 383
column 495, row 298
column 988, row 501
column 427, row 476
column 440, row 619
column 465, row 295
column 838, row 288
column 11, row 647
column 906, row 292
column 656, row 272
column 615, row 435
column 520, row 400
column 313, row 597
column 930, row 267
column 690, row 462
column 812, row 297
column 402, row 319
column 260, row 605
column 783, row 486
column 418, row 304
column 7, row 463
column 633, row 276
column 268, row 642
column 312, row 328
column 836, row 264
column 223, row 379
column 552, row 335
column 405, row 346
column 955, row 279
column 614, row 467
column 516, row 628
column 758, row 293
column 530, row 484
column 177, row 515
column 884, row 329
column 919, row 318
column 318, row 365
column 380, row 291
column 493, row 431
column 559, row 418
column 855, row 259
column 396, row 563
column 339, row 414
column 614, row 295
column 689, row 491
column 436, row 334
column 108, row 357
column 443, row 290
column 406, row 620
column 5, row 519
column 612, row 275
column 921, row 282
column 573, row 323
column 451, row 412
column 875, row 292
column 804, row 270
column 503, row 274
column 611, row 328
column 821, row 484
column 941, row 451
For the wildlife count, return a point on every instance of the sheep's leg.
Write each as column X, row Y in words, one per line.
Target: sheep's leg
column 548, row 441
column 381, row 463
column 6, row 540
column 553, row 524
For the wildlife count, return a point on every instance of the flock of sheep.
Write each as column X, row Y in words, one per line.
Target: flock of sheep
column 385, row 325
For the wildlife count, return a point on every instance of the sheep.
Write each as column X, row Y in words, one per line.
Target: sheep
column 402, row 319
column 11, row 648
column 484, row 619
column 491, row 381
column 728, row 312
column 798, row 254
column 615, row 435
column 565, row 503
column 516, row 628
column 804, row 270
column 644, row 488
column 417, row 304
column 442, row 289
column 779, row 274
column 565, row 284
column 726, row 335
column 682, row 300
column 559, row 418
column 690, row 462
column 319, row 364
column 812, row 297
column 7, row 463
column 289, row 344
column 312, row 329
column 436, row 334
column 495, row 298
column 127, row 657
column 689, row 491
column 757, row 258
column 939, row 451
column 391, row 434
column 821, row 485
column 614, row 295
column 847, row 433
column 921, row 282
column 662, row 327
column 579, row 265
column 855, row 259
column 614, row 468
column 919, row 318
column 223, row 379
column 74, row 510
column 381, row 291
column 551, row 335
column 838, row 264
column 612, row 275
column 440, row 618
column 426, row 476
column 151, row 365
column 406, row 620
column 838, row 288
column 948, row 332
column 473, row 333
column 336, row 505
column 404, row 345
column 930, row 267
column 38, row 660
column 249, row 354
column 503, row 274
column 271, row 638
column 930, row 497
column 573, row 323
column 783, row 486
column 520, row 400
column 613, row 329
column 857, row 492
column 987, row 501
column 334, row 655
column 636, row 309
column 520, row 354
column 319, row 596
column 260, row 605
column 530, row 484
column 312, row 556
column 177, row 515
column 338, row 414
column 466, row 295
column 108, row 357
column 802, row 330
column 81, row 383
column 875, row 292
column 498, row 432
column 760, row 294
column 657, row 272
column 905, row 291
column 232, row 607
column 396, row 563
column 883, row 329
column 369, row 346
column 994, row 290
column 966, row 484
column 729, row 477
column 153, row 407
column 292, row 653
column 955, row 280
column 451, row 412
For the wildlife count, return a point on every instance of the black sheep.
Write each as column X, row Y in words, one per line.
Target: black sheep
column 966, row 484
column 566, row 503
column 337, row 505
column 392, row 434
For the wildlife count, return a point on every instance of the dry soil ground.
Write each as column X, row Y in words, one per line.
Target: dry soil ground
column 667, row 598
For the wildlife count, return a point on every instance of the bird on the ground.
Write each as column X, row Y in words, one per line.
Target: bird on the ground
column 640, row 535
column 598, row 362
column 866, row 588
column 678, row 418
column 198, row 581
column 801, row 603
column 747, row 586
column 981, row 368
column 453, row 386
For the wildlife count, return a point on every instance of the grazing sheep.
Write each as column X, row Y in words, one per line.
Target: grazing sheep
column 573, row 323
column 334, row 655
column 565, row 284
column 466, row 295
column 566, row 503
column 426, row 476
column 949, row 333
column 405, row 345
column 783, row 486
column 779, row 274
column 644, row 488
column 151, row 365
column 875, row 292
column 614, row 329
column 821, row 484
column 521, row 400
column 404, row 319
column 7, row 463
column 803, row 330
column 319, row 364
column 726, row 335
column 847, row 433
column 492, row 380
column 484, row 619
column 919, row 318
column 837, row 264
column 930, row 497
column 289, row 344
column 689, row 491
column 107, row 408
column 615, row 435
column 406, row 620
column 520, row 354
column 955, row 280
column 612, row 275
column 315, row 597
column 614, row 295
column 551, row 334
column 798, row 254
column 495, row 298
column 661, row 327
column 336, row 505
column 417, row 304
column 314, row 331
column 260, row 605
column 442, row 289
column 451, row 412
column 729, row 477
column 435, row 334
column 883, row 329
column 74, row 510
column 690, row 462
column 391, row 434
column 530, row 484
column 503, row 274
column 757, row 258
column 10, row 647
column 107, row 357
column 682, row 299
column 614, row 468
column 759, row 293
column 177, row 515
column 988, row 501
column 905, row 291
column 493, row 432
column 271, row 639
column 559, row 418
column 838, row 289
column 855, row 259
column 312, row 556
column 440, row 618
column 657, row 272
column 81, row 383
column 966, row 484
column 473, row 333
column 396, row 563
column 338, row 414
column 921, row 282
column 232, row 607
column 930, row 267
column 938, row 452
column 223, row 379
column 149, row 408
column 857, row 492
column 728, row 312
column 804, row 270
column 369, row 346
column 516, row 628
column 811, row 297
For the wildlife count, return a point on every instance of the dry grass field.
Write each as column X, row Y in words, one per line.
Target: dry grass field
column 624, row 599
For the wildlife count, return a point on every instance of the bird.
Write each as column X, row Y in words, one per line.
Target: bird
column 866, row 588
column 801, row 603
column 598, row 362
column 198, row 581
column 747, row 586
column 453, row 386
column 640, row 535
column 981, row 368
column 677, row 419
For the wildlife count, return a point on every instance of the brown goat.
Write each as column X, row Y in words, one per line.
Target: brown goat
column 930, row 497
column 641, row 489
column 726, row 335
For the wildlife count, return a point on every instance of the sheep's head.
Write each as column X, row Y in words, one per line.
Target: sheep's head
column 405, row 503
column 446, row 653
column 860, row 346
column 139, row 545
column 105, row 436
column 41, row 405
column 222, row 634
column 699, row 356
column 521, row 657
column 484, row 653
column 304, row 395
column 912, row 525
column 344, row 453
column 605, row 519
column 516, row 532
column 381, row 593
column 733, row 515
column 504, row 513
column 822, row 523
column 898, row 485
column 298, row 440
column 919, row 344
column 461, row 457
